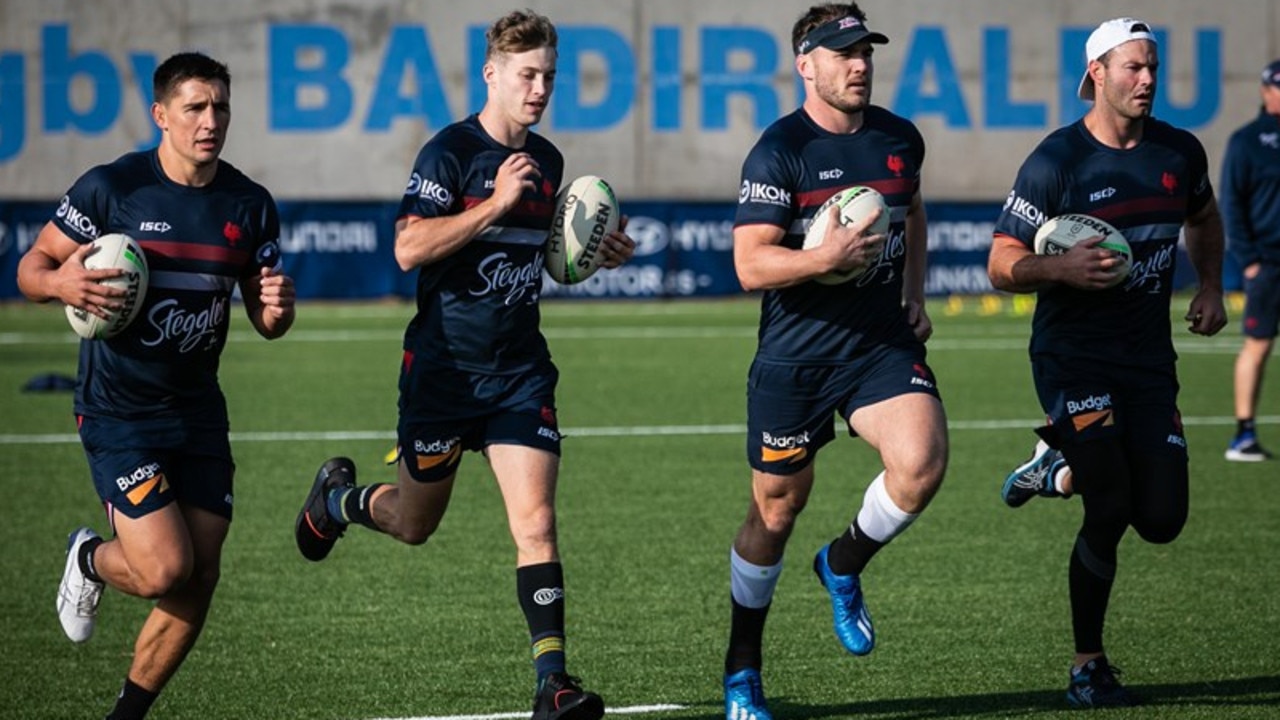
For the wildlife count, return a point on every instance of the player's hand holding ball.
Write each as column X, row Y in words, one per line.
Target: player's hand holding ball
column 1095, row 254
column 851, row 227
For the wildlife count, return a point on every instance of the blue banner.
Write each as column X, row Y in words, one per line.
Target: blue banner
column 345, row 250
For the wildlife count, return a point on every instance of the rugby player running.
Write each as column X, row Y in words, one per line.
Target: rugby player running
column 476, row 373
column 854, row 349
column 152, row 418
column 1102, row 357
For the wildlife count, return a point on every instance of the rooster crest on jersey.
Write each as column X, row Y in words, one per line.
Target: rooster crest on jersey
column 855, row 203
column 586, row 211
column 1060, row 234
column 114, row 251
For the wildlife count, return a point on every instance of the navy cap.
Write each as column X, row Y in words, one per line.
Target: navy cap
column 839, row 34
column 1271, row 74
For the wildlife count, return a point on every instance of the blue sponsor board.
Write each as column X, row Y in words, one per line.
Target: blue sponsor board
column 345, row 250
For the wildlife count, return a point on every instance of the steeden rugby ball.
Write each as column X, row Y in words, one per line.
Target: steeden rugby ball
column 586, row 211
column 114, row 251
column 1060, row 234
column 855, row 203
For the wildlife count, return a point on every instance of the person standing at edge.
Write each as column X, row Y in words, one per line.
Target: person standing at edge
column 1251, row 213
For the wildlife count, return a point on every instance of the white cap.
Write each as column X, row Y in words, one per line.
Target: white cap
column 1108, row 36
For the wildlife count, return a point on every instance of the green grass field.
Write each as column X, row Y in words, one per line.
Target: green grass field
column 970, row 604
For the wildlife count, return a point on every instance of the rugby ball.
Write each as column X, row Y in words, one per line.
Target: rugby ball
column 586, row 211
column 1060, row 234
column 855, row 204
column 115, row 251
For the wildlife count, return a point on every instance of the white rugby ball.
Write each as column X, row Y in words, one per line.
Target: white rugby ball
column 855, row 203
column 586, row 211
column 1060, row 234
column 115, row 251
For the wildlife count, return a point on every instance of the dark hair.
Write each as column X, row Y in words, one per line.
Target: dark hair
column 822, row 14
column 519, row 31
column 183, row 67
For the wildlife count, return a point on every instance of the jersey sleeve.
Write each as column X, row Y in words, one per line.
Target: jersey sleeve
column 1037, row 195
column 435, row 184
column 267, row 230
column 1198, row 172
column 766, row 195
column 86, row 207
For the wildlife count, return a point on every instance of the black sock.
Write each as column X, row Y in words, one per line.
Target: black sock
column 133, row 703
column 1245, row 426
column 85, row 559
column 357, row 508
column 541, row 591
column 746, row 637
column 1090, row 578
column 851, row 552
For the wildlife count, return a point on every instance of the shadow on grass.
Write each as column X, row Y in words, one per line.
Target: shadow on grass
column 1238, row 693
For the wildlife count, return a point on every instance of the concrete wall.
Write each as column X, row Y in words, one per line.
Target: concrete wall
column 331, row 99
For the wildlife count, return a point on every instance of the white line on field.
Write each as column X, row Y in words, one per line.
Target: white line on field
column 585, row 432
column 634, row 710
column 1222, row 345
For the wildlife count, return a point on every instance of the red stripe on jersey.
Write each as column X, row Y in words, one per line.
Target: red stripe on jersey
column 191, row 251
column 890, row 186
column 1155, row 204
column 539, row 208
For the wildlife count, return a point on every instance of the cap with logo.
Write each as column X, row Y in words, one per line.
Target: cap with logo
column 838, row 34
column 1271, row 74
column 1107, row 37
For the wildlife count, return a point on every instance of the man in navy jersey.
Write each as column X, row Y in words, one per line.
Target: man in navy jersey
column 1101, row 353
column 1251, row 213
column 152, row 418
column 476, row 373
column 854, row 349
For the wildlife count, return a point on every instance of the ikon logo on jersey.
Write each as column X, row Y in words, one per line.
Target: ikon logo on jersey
column 138, row 484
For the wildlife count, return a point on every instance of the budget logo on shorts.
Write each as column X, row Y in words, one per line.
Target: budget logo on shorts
column 789, row 448
column 138, row 484
column 437, row 452
column 1092, row 411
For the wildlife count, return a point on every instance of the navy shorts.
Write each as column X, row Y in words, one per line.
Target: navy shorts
column 445, row 411
column 1262, row 302
column 790, row 407
column 1087, row 400
column 141, row 466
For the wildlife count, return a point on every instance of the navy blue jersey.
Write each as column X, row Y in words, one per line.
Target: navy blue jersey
column 1147, row 193
column 478, row 308
column 199, row 242
column 1250, row 191
column 793, row 168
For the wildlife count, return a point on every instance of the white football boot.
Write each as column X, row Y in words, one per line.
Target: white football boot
column 78, row 596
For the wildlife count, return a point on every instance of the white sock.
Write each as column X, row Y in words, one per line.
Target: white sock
column 880, row 518
column 1060, row 479
column 752, row 585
